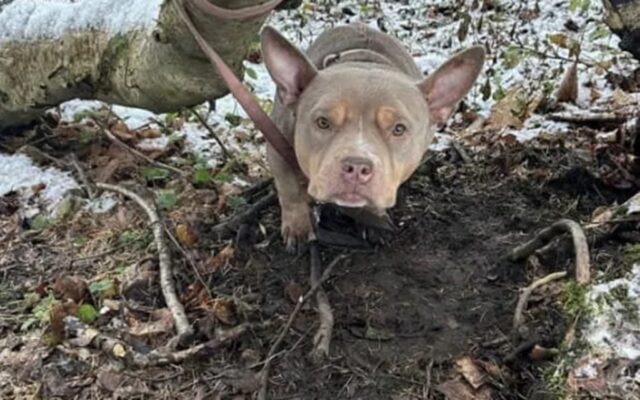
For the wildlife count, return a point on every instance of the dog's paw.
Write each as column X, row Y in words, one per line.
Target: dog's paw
column 297, row 226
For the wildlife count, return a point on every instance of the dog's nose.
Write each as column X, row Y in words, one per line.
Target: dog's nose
column 357, row 170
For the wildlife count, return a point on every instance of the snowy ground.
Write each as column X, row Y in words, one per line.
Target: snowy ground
column 516, row 33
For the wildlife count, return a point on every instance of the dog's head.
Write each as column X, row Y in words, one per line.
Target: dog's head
column 361, row 132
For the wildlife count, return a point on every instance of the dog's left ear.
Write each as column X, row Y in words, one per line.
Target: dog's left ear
column 445, row 87
column 288, row 67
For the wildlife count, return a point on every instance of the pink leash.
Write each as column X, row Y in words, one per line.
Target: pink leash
column 262, row 121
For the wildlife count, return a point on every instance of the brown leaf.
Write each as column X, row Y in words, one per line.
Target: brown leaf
column 186, row 235
column 508, row 110
column 470, row 371
column 55, row 332
column 149, row 133
column 121, row 131
column 224, row 311
column 220, row 259
column 294, row 291
column 71, row 287
column 568, row 89
column 161, row 322
column 457, row 389
column 110, row 380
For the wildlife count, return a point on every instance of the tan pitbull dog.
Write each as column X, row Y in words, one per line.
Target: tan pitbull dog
column 360, row 116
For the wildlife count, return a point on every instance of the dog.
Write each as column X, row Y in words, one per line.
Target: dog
column 360, row 116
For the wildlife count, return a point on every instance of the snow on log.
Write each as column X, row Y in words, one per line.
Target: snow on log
column 135, row 53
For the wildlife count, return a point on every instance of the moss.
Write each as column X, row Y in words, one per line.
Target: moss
column 575, row 302
column 631, row 254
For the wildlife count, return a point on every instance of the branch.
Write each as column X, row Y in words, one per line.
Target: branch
column 322, row 338
column 166, row 280
column 526, row 293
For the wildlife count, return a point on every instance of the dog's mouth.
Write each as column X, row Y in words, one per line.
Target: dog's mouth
column 350, row 199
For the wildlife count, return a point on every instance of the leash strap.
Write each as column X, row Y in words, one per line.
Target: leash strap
column 261, row 120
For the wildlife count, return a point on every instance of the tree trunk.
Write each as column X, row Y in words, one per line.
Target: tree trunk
column 158, row 67
column 623, row 18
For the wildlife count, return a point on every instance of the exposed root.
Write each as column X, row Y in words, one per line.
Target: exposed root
column 586, row 119
column 322, row 338
column 83, row 335
column 264, row 373
column 229, row 226
column 583, row 274
column 183, row 327
column 526, row 293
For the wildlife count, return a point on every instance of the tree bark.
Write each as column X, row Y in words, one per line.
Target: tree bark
column 159, row 68
column 623, row 18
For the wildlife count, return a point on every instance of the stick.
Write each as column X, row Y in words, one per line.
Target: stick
column 232, row 223
column 583, row 275
column 526, row 293
column 83, row 176
column 114, row 347
column 322, row 338
column 262, row 395
column 227, row 155
column 166, row 281
column 591, row 118
column 461, row 152
column 137, row 153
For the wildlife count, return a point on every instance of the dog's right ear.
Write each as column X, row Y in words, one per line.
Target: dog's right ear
column 288, row 67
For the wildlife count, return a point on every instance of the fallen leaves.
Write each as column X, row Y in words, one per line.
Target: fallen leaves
column 473, row 380
column 160, row 322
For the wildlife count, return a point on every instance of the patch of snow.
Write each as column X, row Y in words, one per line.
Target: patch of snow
column 18, row 173
column 23, row 20
column 102, row 204
column 135, row 118
column 536, row 126
column 73, row 110
column 614, row 329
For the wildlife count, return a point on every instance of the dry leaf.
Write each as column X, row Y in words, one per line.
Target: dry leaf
column 507, row 112
column 470, row 371
column 149, row 133
column 186, row 235
column 118, row 350
column 220, row 259
column 121, row 131
column 71, row 287
column 457, row 389
column 224, row 311
column 568, row 90
column 161, row 322
column 294, row 291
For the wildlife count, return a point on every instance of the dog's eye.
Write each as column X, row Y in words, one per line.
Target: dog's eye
column 399, row 129
column 323, row 123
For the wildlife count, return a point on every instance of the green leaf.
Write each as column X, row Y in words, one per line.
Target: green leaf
column 155, row 174
column 251, row 73
column 223, row 178
column 201, row 176
column 100, row 286
column 40, row 223
column 512, row 57
column 166, row 199
column 42, row 312
column 87, row 314
column 599, row 33
column 136, row 238
column 233, row 119
column 234, row 202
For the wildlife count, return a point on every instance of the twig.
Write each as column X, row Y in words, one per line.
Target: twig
column 583, row 274
column 82, row 176
column 228, row 226
column 587, row 118
column 166, row 280
column 461, row 152
column 114, row 347
column 262, row 395
column 137, row 153
column 322, row 338
column 227, row 155
column 526, row 293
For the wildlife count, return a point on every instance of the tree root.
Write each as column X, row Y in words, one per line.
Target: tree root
column 583, row 274
column 229, row 226
column 264, row 373
column 526, row 293
column 184, row 329
column 322, row 338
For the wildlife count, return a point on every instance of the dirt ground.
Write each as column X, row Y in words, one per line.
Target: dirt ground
column 406, row 312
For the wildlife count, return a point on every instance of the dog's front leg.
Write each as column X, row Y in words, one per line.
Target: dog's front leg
column 291, row 185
